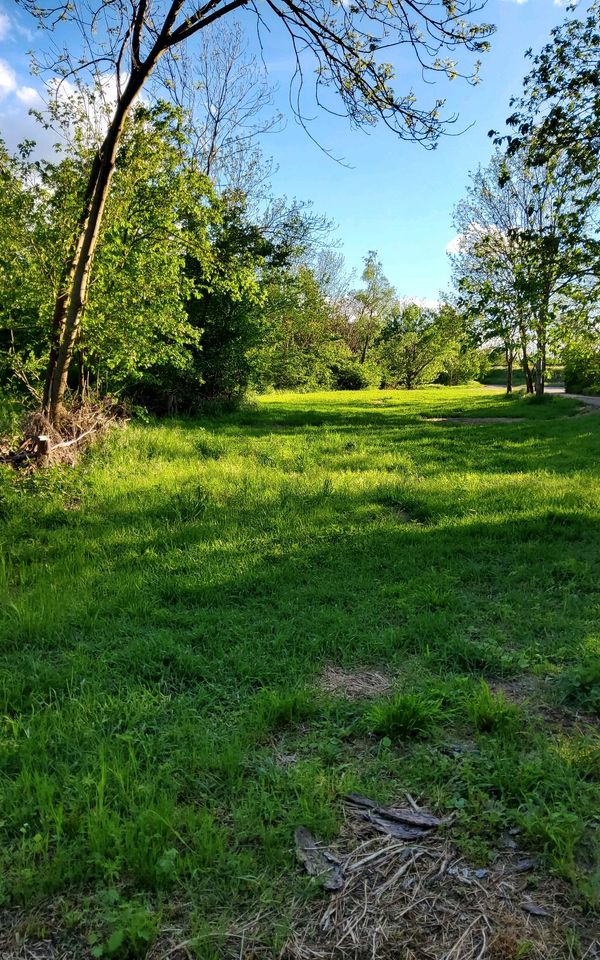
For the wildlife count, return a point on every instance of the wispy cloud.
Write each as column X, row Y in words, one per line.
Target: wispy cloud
column 518, row 2
column 4, row 25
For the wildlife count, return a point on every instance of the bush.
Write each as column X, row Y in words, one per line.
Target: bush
column 462, row 367
column 355, row 376
column 582, row 368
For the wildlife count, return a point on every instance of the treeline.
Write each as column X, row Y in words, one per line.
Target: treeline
column 200, row 285
column 197, row 292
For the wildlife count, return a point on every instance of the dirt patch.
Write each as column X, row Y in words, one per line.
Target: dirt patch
column 420, row 900
column 468, row 421
column 354, row 684
column 529, row 692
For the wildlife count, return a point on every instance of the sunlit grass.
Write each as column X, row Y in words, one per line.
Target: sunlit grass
column 169, row 605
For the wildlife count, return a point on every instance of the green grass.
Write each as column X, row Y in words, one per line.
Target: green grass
column 496, row 376
column 168, row 607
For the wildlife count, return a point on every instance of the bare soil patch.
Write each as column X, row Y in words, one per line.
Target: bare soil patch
column 354, row 684
column 467, row 421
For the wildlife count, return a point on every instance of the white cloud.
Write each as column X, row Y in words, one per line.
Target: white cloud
column 8, row 78
column 28, row 95
column 454, row 245
column 474, row 234
column 518, row 2
column 4, row 26
column 426, row 303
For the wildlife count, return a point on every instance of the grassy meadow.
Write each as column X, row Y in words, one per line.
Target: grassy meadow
column 169, row 605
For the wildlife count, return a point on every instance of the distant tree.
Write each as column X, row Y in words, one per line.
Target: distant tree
column 128, row 40
column 372, row 306
column 299, row 344
column 582, row 365
column 467, row 361
column 224, row 96
column 415, row 344
column 523, row 260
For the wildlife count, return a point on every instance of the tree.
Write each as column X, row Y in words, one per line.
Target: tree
column 129, row 39
column 371, row 306
column 523, row 259
column 223, row 93
column 415, row 344
column 26, row 266
column 559, row 111
column 159, row 212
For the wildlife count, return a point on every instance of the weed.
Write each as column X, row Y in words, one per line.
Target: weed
column 579, row 685
column 404, row 716
column 490, row 712
column 273, row 710
column 127, row 929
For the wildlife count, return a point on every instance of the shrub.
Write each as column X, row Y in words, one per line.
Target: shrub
column 465, row 365
column 582, row 368
column 353, row 375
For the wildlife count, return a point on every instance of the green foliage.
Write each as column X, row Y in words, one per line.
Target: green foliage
column 353, row 375
column 560, row 110
column 467, row 364
column 490, row 712
column 191, row 300
column 579, row 685
column 404, row 716
column 128, row 928
column 582, row 366
column 375, row 305
column 159, row 212
column 525, row 260
column 299, row 345
column 415, row 344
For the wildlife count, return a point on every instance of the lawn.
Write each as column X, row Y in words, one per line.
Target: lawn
column 496, row 376
column 170, row 605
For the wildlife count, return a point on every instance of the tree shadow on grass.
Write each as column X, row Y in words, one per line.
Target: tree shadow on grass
column 147, row 632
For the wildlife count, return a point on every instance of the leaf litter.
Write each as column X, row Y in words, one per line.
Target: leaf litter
column 402, row 890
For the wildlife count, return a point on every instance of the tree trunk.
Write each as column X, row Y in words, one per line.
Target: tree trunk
column 540, row 365
column 73, row 292
column 363, row 353
column 509, row 371
column 527, row 369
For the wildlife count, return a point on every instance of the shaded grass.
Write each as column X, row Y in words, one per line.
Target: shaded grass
column 169, row 605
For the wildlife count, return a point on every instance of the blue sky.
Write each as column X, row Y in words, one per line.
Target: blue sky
column 395, row 197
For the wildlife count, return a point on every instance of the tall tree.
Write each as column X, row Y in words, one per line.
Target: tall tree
column 524, row 252
column 373, row 305
column 128, row 39
column 415, row 344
